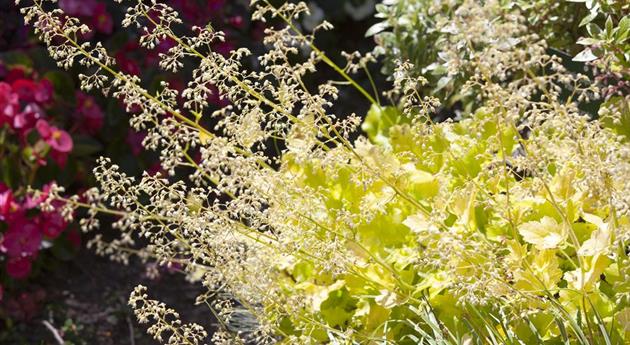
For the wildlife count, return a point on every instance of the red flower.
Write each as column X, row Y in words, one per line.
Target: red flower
column 19, row 268
column 25, row 306
column 90, row 114
column 23, row 238
column 74, row 237
column 25, row 88
column 14, row 74
column 57, row 138
column 31, row 91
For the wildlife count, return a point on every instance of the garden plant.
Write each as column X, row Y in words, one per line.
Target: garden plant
column 505, row 222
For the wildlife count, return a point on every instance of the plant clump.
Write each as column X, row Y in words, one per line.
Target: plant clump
column 509, row 225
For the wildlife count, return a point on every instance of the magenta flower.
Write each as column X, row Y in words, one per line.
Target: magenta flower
column 60, row 158
column 134, row 140
column 44, row 91
column 85, row 8
column 23, row 238
column 19, row 268
column 52, row 224
column 32, row 201
column 14, row 74
column 224, row 48
column 25, row 120
column 9, row 103
column 90, row 114
column 57, row 138
column 126, row 64
column 215, row 97
column 236, row 21
column 6, row 203
column 10, row 209
column 102, row 20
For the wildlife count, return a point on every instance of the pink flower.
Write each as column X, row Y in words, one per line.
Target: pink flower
column 236, row 21
column 25, row 120
column 9, row 103
column 19, row 268
column 52, row 224
column 23, row 238
column 90, row 114
column 6, row 203
column 10, row 210
column 57, row 138
column 32, row 201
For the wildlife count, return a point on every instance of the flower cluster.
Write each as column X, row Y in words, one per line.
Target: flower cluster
column 29, row 142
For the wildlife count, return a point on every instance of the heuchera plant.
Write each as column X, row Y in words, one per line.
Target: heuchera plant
column 508, row 226
column 49, row 130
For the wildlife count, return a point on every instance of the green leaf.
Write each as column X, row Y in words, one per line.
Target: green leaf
column 593, row 29
column 16, row 58
column 64, row 85
column 587, row 41
column 609, row 26
column 443, row 82
column 85, row 145
column 379, row 120
column 589, row 18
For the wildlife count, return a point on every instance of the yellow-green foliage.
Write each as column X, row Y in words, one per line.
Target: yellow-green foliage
column 457, row 223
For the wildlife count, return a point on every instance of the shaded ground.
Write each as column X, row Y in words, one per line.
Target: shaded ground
column 86, row 303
